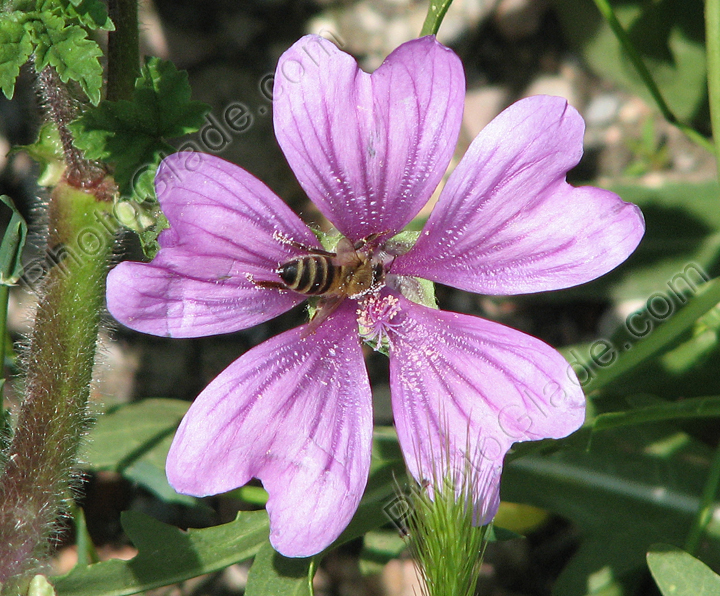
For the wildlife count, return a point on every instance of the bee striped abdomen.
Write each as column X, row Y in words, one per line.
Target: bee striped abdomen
column 312, row 275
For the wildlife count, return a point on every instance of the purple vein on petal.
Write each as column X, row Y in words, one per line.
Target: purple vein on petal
column 482, row 369
column 294, row 412
column 508, row 223
column 366, row 160
column 223, row 226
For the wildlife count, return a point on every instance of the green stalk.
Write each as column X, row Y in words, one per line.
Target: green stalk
column 446, row 545
column 61, row 109
column 712, row 35
column 642, row 70
column 59, row 362
column 705, row 511
column 435, row 16
column 447, row 549
column 123, row 50
column 11, row 248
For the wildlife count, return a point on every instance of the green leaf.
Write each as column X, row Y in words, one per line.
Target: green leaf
column 634, row 487
column 691, row 353
column 55, row 33
column 379, row 548
column 132, row 134
column 89, row 13
column 376, row 507
column 167, row 555
column 664, row 32
column 271, row 573
column 20, row 5
column 149, row 471
column 252, row 495
column 124, row 434
column 134, row 440
column 15, row 49
column 624, row 352
column 683, row 226
column 12, row 245
column 86, row 552
column 166, row 90
column 75, row 57
column 695, row 407
column 679, row 574
column 497, row 534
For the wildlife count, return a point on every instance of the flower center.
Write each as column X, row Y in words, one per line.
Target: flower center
column 376, row 319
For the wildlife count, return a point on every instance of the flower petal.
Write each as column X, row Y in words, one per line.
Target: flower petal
column 369, row 150
column 466, row 388
column 224, row 227
column 508, row 223
column 294, row 412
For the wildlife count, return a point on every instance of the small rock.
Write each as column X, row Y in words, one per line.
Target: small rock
column 235, row 577
column 481, row 106
column 554, row 85
column 602, row 110
column 400, row 578
column 633, row 111
column 372, row 29
column 115, row 376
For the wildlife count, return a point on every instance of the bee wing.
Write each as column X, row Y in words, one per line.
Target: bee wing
column 326, row 307
column 313, row 250
column 345, row 253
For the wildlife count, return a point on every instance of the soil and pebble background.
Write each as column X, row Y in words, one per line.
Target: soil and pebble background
column 511, row 49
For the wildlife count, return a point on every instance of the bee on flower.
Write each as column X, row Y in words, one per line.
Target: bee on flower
column 369, row 150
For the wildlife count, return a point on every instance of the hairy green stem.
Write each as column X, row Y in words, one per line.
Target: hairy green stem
column 59, row 361
column 123, row 50
column 712, row 35
column 61, row 109
column 435, row 16
column 642, row 70
column 705, row 511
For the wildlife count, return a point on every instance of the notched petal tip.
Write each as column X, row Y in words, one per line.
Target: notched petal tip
column 508, row 223
column 369, row 150
column 294, row 412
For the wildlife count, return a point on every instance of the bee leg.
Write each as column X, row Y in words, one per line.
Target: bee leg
column 369, row 239
column 365, row 241
column 326, row 307
column 313, row 250
column 269, row 285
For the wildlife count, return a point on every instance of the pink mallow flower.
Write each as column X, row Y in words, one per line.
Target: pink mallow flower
column 369, row 150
